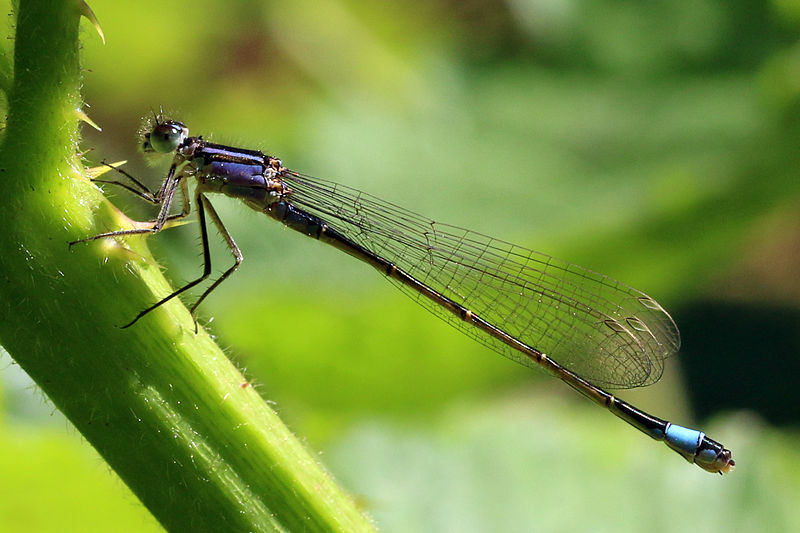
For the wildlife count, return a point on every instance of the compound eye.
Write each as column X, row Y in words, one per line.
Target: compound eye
column 166, row 137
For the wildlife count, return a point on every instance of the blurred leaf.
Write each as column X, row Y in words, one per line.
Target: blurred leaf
column 45, row 469
column 518, row 465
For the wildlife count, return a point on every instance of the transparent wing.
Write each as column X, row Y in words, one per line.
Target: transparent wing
column 601, row 329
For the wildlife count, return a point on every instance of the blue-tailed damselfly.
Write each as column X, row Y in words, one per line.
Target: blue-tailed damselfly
column 585, row 328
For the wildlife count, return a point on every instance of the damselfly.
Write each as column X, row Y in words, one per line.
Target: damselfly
column 584, row 328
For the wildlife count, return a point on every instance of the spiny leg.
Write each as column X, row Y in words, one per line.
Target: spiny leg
column 206, row 263
column 146, row 194
column 237, row 253
column 186, row 207
column 141, row 189
column 164, row 198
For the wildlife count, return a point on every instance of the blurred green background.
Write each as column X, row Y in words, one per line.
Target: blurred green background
column 655, row 142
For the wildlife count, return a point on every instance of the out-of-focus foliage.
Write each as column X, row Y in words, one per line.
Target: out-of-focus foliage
column 53, row 481
column 655, row 142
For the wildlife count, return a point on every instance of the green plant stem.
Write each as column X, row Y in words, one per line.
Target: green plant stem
column 161, row 404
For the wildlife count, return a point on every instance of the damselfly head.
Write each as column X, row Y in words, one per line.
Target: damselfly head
column 165, row 136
